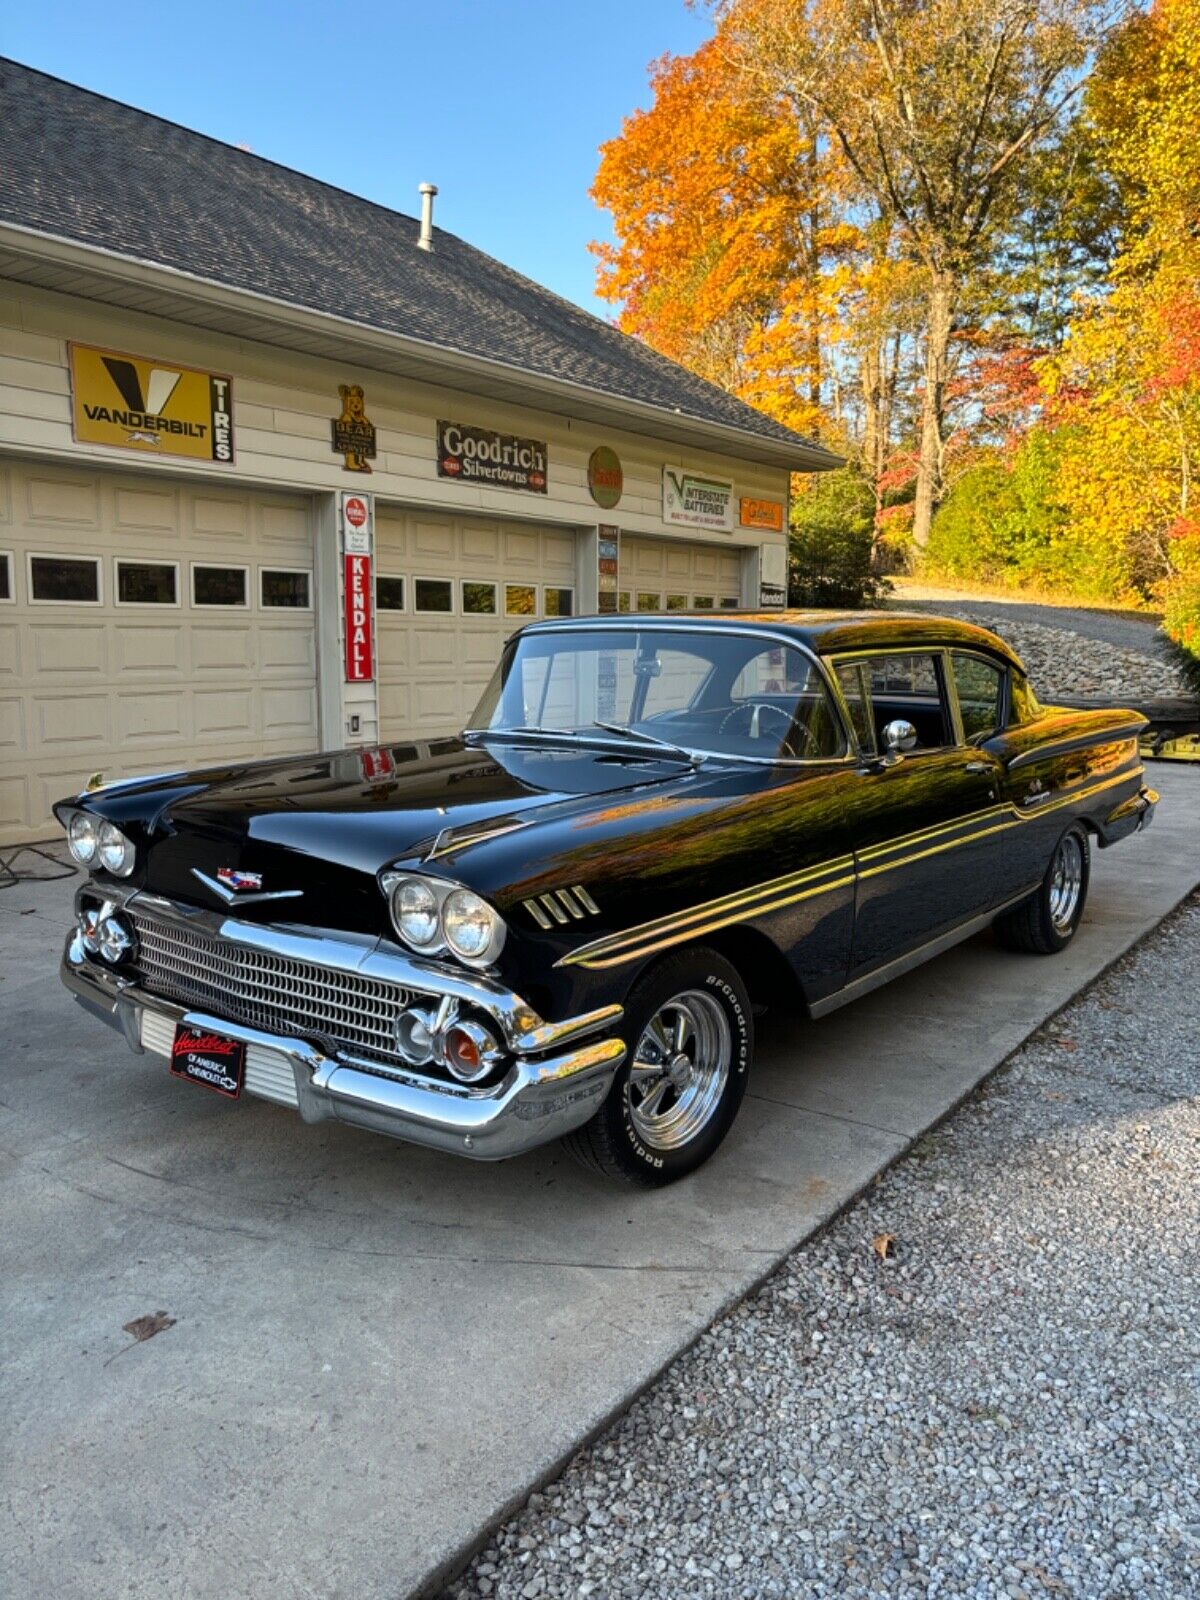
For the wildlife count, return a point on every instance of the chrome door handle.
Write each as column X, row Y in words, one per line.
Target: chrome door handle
column 977, row 766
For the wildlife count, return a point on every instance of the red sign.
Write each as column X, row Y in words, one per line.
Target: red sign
column 376, row 764
column 359, row 654
column 356, row 511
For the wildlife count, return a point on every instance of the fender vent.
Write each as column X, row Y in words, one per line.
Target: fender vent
column 562, row 905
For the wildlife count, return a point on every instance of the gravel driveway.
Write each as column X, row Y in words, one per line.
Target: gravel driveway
column 1007, row 1405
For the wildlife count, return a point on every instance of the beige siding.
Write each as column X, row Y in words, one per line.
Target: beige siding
column 143, row 688
column 283, row 403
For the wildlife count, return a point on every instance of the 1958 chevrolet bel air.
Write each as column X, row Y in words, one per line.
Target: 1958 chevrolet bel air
column 563, row 921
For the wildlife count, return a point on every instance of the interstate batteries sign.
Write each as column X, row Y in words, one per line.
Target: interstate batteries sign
column 157, row 407
column 692, row 501
column 479, row 455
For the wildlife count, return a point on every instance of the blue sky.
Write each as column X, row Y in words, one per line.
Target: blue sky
column 501, row 103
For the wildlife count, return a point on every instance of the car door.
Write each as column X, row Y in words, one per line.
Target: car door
column 924, row 827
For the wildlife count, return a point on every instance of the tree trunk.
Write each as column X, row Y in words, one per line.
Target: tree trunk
column 943, row 293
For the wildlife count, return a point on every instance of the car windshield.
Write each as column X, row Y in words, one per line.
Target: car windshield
column 667, row 690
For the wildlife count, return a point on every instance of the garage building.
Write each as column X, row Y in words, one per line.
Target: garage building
column 229, row 391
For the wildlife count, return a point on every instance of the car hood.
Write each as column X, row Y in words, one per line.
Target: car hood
column 362, row 809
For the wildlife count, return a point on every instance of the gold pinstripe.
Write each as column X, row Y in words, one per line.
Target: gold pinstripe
column 650, row 937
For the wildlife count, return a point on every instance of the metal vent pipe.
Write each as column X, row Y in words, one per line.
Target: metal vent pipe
column 427, row 192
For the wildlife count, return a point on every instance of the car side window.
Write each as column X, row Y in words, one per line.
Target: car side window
column 979, row 685
column 1023, row 703
column 909, row 688
column 852, row 680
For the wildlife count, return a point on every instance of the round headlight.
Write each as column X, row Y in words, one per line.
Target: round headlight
column 469, row 923
column 116, row 852
column 82, row 837
column 415, row 913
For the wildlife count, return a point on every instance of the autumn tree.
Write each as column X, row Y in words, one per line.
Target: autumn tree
column 937, row 107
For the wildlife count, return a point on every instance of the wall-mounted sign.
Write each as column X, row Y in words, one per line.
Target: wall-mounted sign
column 357, row 519
column 605, row 477
column 692, row 501
column 353, row 432
column 608, row 553
column 480, row 455
column 772, row 575
column 761, row 514
column 157, row 407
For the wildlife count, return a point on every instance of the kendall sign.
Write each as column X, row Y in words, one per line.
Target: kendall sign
column 692, row 501
column 357, row 530
column 480, row 455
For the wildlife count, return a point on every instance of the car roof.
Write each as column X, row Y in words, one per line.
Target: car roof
column 826, row 633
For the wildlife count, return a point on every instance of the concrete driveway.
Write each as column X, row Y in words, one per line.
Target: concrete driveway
column 378, row 1351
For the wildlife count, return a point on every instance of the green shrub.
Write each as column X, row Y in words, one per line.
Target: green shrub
column 831, row 542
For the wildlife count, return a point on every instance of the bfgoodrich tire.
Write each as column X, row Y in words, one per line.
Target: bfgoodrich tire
column 1046, row 922
column 690, row 1040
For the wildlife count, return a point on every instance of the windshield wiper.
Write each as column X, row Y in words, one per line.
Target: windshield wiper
column 650, row 738
column 525, row 727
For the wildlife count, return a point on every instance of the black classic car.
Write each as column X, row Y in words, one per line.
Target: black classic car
column 563, row 922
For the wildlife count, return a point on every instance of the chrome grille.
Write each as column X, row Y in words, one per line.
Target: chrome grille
column 268, row 991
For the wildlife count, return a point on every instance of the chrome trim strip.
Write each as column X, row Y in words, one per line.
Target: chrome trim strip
column 234, row 897
column 452, row 839
column 647, row 938
column 586, row 900
column 536, row 912
column 878, row 976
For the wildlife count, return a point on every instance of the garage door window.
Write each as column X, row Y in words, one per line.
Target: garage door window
column 6, row 581
column 520, row 600
column 558, row 602
column 433, row 594
column 703, row 602
column 289, row 587
column 147, row 583
column 219, row 586
column 625, row 601
column 478, row 598
column 677, row 602
column 648, row 602
column 64, row 580
column 389, row 593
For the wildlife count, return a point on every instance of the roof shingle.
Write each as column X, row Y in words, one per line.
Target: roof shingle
column 83, row 167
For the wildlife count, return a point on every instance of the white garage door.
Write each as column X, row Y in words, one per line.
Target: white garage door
column 672, row 575
column 145, row 625
column 449, row 591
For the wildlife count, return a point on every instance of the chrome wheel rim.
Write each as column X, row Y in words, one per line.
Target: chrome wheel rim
column 679, row 1071
column 1066, row 883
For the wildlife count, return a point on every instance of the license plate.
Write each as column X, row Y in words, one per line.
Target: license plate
column 209, row 1059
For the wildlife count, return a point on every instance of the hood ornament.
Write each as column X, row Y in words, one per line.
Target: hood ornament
column 241, row 888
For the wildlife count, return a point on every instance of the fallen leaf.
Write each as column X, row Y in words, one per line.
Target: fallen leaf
column 1067, row 1043
column 143, row 1328
column 884, row 1245
column 146, row 1327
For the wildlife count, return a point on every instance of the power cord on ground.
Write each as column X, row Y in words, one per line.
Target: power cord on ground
column 11, row 874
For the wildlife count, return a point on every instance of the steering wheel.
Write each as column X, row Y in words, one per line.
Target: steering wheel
column 753, row 712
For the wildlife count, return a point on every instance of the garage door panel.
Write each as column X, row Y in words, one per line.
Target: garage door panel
column 76, row 719
column 288, row 712
column 10, row 649
column 145, row 509
column 480, row 543
column 14, row 805
column 60, row 648
column 150, row 718
column 287, row 650
column 434, row 647
column 521, row 549
column 223, row 711
column 62, row 500
column 12, row 724
column 431, row 539
column 6, row 500
column 395, row 706
column 482, row 648
column 221, row 518
column 222, row 649
column 129, row 689
column 436, row 704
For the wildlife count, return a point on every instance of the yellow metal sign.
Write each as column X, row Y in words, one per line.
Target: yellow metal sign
column 157, row 407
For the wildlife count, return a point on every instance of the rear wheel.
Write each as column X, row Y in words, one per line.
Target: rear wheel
column 1046, row 922
column 690, row 1037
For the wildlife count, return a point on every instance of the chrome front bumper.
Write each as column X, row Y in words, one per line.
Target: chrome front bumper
column 558, row 1075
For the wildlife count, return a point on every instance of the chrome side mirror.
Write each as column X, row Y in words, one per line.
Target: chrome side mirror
column 898, row 737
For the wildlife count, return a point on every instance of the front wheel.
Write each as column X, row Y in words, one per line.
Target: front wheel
column 1046, row 922
column 690, row 1037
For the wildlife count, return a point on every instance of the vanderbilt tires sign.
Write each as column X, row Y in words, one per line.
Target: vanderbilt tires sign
column 158, row 407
